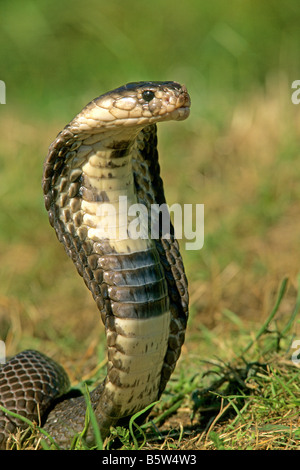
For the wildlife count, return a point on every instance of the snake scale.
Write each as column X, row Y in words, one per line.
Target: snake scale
column 109, row 151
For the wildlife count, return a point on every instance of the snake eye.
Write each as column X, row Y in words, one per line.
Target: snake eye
column 148, row 95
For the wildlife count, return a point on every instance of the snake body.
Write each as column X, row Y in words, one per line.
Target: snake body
column 108, row 152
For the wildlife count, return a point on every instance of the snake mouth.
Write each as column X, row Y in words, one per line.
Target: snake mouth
column 177, row 114
column 180, row 113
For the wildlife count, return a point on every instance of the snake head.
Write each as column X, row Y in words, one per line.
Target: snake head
column 135, row 105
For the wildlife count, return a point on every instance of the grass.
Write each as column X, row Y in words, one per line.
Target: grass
column 235, row 386
column 249, row 403
column 253, row 403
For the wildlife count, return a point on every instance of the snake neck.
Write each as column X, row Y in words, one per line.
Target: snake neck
column 124, row 274
column 108, row 194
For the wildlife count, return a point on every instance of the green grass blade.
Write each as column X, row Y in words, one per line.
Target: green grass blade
column 264, row 327
column 30, row 424
column 91, row 418
column 132, row 423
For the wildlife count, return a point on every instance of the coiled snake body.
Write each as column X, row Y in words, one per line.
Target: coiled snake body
column 106, row 153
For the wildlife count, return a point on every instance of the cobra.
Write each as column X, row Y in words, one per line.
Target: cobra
column 139, row 285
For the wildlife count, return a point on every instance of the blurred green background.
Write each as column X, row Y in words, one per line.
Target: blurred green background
column 55, row 55
column 238, row 153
